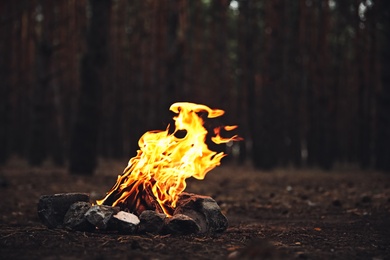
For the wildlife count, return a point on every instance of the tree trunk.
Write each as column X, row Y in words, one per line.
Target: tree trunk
column 364, row 141
column 83, row 151
column 320, row 103
column 269, row 146
column 37, row 149
column 382, row 149
column 247, row 69
column 292, row 66
column 39, row 112
column 5, row 86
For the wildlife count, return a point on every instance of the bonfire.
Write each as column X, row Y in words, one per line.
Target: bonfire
column 157, row 175
column 149, row 196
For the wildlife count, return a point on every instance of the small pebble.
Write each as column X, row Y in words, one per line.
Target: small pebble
column 336, row 203
column 366, row 199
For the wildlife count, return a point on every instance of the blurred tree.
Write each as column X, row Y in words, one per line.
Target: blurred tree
column 342, row 65
column 174, row 34
column 320, row 108
column 5, row 72
column 301, row 78
column 220, row 59
column 39, row 117
column 269, row 145
column 22, row 74
column 382, row 150
column 292, row 81
column 113, row 121
column 247, row 70
column 365, row 58
column 83, row 150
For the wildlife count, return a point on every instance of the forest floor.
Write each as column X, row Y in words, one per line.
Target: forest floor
column 281, row 214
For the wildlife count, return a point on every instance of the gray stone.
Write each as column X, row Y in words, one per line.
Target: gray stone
column 181, row 224
column 151, row 222
column 52, row 208
column 124, row 222
column 75, row 217
column 197, row 216
column 217, row 221
column 100, row 215
column 204, row 210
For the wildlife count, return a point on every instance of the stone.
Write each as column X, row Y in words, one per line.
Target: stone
column 204, row 210
column 52, row 208
column 151, row 222
column 180, row 224
column 124, row 222
column 193, row 214
column 100, row 215
column 336, row 203
column 366, row 199
column 197, row 216
column 75, row 217
column 217, row 222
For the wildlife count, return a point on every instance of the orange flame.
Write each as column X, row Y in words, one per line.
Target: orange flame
column 164, row 161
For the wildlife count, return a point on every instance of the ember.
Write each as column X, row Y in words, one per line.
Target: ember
column 156, row 176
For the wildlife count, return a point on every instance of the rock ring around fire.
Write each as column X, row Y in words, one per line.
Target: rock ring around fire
column 193, row 214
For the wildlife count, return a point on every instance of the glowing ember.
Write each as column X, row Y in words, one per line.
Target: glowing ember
column 156, row 176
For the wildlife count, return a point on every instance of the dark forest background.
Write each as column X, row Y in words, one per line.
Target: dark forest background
column 307, row 81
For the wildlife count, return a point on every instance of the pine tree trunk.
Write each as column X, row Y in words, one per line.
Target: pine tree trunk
column 269, row 145
column 382, row 148
column 5, row 86
column 247, row 95
column 83, row 151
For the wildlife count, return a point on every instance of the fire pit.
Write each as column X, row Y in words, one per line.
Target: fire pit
column 149, row 196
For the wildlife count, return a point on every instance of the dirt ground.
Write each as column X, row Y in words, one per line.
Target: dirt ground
column 283, row 214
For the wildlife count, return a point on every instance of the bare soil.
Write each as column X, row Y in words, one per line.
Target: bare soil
column 283, row 214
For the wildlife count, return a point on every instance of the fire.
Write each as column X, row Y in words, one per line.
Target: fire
column 156, row 176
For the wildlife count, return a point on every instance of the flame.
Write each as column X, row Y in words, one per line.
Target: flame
column 156, row 176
